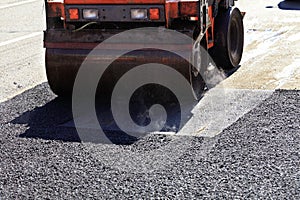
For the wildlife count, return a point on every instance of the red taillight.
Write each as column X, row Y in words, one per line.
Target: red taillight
column 73, row 13
column 154, row 14
column 193, row 18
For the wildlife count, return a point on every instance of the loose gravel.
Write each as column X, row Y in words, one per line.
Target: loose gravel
column 256, row 157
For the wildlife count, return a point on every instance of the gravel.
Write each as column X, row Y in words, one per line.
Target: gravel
column 256, row 157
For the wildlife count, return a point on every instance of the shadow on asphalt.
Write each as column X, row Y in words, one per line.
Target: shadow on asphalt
column 54, row 120
column 44, row 121
column 289, row 5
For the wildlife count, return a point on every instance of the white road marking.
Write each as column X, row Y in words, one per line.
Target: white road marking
column 17, row 4
column 31, row 35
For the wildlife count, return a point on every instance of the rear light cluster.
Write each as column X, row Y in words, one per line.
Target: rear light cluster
column 135, row 14
column 74, row 13
column 141, row 14
column 90, row 13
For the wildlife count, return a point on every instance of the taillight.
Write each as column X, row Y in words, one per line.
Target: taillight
column 90, row 13
column 138, row 14
column 193, row 18
column 154, row 14
column 73, row 13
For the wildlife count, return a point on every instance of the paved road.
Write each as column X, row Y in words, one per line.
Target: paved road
column 252, row 153
column 256, row 157
column 272, row 56
column 22, row 55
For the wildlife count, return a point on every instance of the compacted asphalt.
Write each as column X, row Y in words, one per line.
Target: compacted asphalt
column 256, row 157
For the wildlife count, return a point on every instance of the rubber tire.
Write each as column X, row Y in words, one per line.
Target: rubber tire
column 229, row 38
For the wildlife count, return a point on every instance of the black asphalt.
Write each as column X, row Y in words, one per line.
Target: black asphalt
column 256, row 157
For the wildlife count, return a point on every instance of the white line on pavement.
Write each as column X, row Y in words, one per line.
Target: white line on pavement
column 31, row 35
column 17, row 4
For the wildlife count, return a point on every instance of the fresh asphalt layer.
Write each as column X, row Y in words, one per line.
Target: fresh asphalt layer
column 248, row 150
column 255, row 157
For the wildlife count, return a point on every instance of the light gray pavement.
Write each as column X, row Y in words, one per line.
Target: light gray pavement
column 21, row 46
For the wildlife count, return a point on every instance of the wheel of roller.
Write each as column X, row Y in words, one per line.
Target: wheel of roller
column 229, row 38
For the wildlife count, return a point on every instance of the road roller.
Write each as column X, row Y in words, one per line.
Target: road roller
column 76, row 27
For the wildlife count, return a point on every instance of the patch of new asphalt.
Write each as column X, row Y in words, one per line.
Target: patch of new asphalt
column 256, row 157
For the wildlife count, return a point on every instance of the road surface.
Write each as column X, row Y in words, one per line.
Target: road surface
column 246, row 147
column 21, row 47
